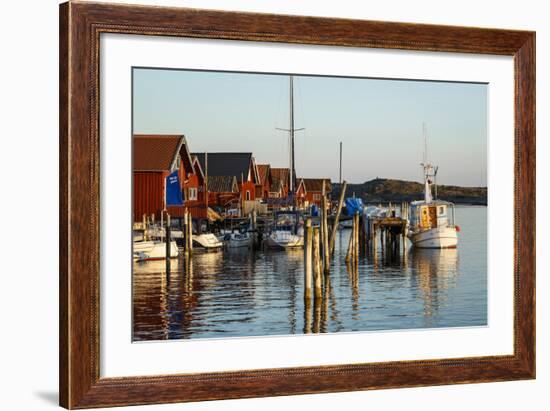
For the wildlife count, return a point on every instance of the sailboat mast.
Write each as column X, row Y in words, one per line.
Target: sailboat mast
column 292, row 169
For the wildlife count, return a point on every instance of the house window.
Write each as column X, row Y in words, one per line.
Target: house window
column 247, row 195
column 316, row 197
column 192, row 193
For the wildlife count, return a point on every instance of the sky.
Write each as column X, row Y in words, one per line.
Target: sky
column 378, row 121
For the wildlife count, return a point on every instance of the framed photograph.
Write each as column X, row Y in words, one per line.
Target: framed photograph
column 259, row 205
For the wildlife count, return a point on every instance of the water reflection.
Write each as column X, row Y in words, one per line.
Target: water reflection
column 434, row 272
column 238, row 293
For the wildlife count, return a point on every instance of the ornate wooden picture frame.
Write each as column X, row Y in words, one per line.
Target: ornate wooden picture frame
column 80, row 27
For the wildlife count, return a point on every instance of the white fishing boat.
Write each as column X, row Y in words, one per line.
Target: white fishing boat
column 285, row 240
column 153, row 250
column 431, row 221
column 208, row 241
column 288, row 231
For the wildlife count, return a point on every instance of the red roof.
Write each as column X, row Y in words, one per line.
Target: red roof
column 263, row 171
column 281, row 177
column 155, row 152
column 316, row 184
column 158, row 152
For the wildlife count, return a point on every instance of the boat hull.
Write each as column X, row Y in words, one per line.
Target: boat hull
column 239, row 243
column 149, row 250
column 208, row 241
column 289, row 241
column 444, row 237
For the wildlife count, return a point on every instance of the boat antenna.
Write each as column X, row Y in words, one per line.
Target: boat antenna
column 427, row 168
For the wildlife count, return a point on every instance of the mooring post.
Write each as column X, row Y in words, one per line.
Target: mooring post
column 350, row 242
column 255, row 225
column 168, row 243
column 337, row 217
column 144, row 226
column 190, row 233
column 308, row 257
column 317, row 263
column 357, row 228
column 185, row 231
column 405, row 245
column 326, row 245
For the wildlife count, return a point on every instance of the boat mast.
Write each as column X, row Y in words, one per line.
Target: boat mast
column 292, row 157
column 291, row 131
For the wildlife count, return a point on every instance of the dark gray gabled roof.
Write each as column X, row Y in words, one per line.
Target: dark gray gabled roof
column 227, row 164
column 222, row 184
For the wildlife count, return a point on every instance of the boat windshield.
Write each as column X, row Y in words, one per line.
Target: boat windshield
column 288, row 221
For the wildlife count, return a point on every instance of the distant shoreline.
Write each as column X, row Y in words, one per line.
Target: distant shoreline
column 384, row 191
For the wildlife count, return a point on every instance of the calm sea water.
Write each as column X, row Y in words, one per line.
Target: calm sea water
column 238, row 293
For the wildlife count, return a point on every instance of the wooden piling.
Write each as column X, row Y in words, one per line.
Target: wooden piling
column 189, row 233
column 373, row 237
column 326, row 245
column 349, row 253
column 185, row 230
column 337, row 217
column 255, row 230
column 144, row 223
column 168, row 243
column 317, row 263
column 356, row 242
column 308, row 260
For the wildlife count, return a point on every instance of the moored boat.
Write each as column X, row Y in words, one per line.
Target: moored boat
column 288, row 231
column 238, row 240
column 431, row 221
column 153, row 250
column 207, row 241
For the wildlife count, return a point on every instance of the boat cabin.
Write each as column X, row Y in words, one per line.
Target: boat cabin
column 432, row 215
column 288, row 221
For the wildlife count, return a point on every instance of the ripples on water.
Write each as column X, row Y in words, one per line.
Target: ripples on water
column 238, row 293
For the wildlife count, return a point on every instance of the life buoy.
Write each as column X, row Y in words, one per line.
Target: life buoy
column 457, row 228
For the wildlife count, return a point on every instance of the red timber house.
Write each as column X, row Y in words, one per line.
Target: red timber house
column 280, row 182
column 263, row 188
column 310, row 190
column 154, row 158
column 240, row 166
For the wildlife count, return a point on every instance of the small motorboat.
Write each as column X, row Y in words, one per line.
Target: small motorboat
column 207, row 241
column 288, row 231
column 285, row 240
column 153, row 250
